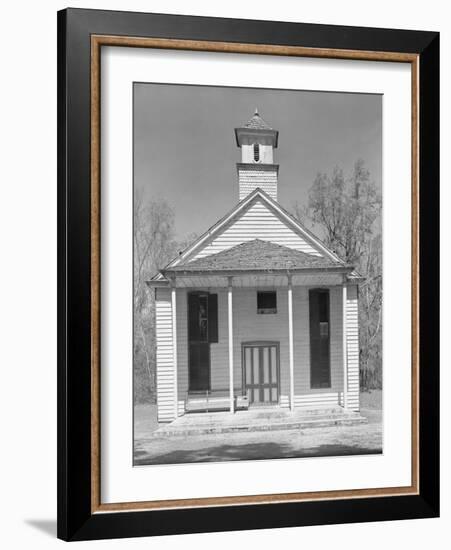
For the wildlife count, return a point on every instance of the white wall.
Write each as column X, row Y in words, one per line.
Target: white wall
column 28, row 274
column 266, row 154
column 248, row 326
column 258, row 221
column 164, row 354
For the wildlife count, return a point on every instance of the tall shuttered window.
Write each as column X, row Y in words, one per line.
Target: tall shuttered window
column 319, row 338
column 202, row 331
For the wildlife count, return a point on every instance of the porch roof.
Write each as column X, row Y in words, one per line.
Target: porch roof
column 258, row 256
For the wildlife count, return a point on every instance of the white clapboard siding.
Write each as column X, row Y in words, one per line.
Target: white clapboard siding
column 284, row 401
column 305, row 395
column 248, row 180
column 219, row 352
column 248, row 325
column 257, row 222
column 181, row 407
column 164, row 355
column 352, row 340
column 326, row 399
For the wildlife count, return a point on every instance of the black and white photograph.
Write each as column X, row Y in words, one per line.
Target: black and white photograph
column 257, row 292
column 225, row 275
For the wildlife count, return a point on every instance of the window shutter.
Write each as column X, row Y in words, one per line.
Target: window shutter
column 319, row 339
column 213, row 318
column 193, row 314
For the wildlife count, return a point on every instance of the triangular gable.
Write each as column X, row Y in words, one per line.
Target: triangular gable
column 257, row 216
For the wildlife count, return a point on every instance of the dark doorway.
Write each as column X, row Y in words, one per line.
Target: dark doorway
column 319, row 338
column 202, row 330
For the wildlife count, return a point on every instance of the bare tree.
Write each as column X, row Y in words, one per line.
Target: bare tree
column 370, row 310
column 346, row 211
column 154, row 245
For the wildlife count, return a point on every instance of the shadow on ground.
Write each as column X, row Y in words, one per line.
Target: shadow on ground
column 251, row 451
column 320, row 442
column 46, row 526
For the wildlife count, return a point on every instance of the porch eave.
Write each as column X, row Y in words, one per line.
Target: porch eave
column 254, row 278
column 160, row 283
column 171, row 273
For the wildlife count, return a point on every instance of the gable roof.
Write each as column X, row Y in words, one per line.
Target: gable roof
column 241, row 207
column 258, row 255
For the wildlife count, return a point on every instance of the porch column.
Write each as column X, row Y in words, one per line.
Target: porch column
column 291, row 340
column 230, row 324
column 345, row 351
column 174, row 345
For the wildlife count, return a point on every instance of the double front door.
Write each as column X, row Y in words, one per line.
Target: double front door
column 261, row 372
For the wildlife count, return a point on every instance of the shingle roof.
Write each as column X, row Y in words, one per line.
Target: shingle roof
column 257, row 123
column 257, row 255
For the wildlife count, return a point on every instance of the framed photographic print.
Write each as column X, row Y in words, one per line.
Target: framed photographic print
column 248, row 274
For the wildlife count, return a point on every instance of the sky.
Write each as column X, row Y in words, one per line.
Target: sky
column 185, row 150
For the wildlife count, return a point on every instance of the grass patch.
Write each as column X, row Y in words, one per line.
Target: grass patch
column 371, row 399
column 145, row 418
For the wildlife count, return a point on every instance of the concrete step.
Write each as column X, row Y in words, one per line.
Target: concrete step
column 271, row 413
column 303, row 422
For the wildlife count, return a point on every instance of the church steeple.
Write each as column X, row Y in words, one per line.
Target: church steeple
column 257, row 141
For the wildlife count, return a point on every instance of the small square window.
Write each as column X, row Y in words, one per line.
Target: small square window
column 267, row 302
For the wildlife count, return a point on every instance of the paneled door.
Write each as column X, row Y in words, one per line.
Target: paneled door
column 261, row 372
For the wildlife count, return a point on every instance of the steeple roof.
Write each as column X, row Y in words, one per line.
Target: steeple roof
column 257, row 123
column 256, row 130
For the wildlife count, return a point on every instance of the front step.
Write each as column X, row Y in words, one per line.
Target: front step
column 306, row 412
column 302, row 422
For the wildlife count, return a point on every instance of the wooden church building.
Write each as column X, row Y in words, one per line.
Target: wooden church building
column 257, row 311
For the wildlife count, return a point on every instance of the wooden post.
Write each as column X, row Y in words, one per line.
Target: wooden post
column 230, row 323
column 174, row 345
column 291, row 340
column 345, row 354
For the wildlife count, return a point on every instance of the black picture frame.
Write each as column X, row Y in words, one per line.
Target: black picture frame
column 75, row 518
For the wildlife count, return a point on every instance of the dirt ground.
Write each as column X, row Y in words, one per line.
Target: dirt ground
column 333, row 441
column 371, row 399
